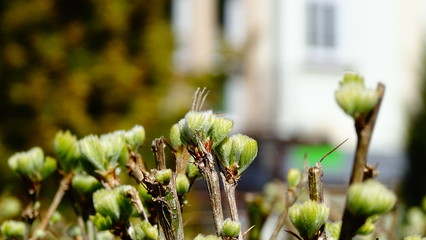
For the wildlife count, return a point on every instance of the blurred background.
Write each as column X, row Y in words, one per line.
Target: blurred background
column 95, row 66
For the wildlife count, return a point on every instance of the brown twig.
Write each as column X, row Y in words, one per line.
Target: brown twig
column 63, row 187
column 230, row 184
column 364, row 126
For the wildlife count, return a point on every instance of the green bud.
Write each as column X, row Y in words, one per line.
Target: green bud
column 332, row 230
column 220, row 130
column 163, row 176
column 10, row 207
column 369, row 226
column 293, row 177
column 352, row 77
column 102, row 222
column 175, row 136
column 13, row 229
column 182, row 184
column 308, row 217
column 49, row 167
column 237, row 151
column 192, row 171
column 114, row 146
column 66, row 149
column 126, row 207
column 135, row 137
column 196, row 123
column 32, row 164
column 414, row 237
column 74, row 231
column 151, row 232
column 106, row 203
column 93, row 157
column 85, row 184
column 369, row 198
column 56, row 217
column 208, row 237
column 353, row 97
column 230, row 228
column 143, row 193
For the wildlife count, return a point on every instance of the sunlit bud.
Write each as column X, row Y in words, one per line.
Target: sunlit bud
column 163, row 176
column 230, row 228
column 237, row 151
column 293, row 177
column 13, row 229
column 182, row 184
column 308, row 217
column 135, row 137
column 85, row 184
column 196, row 123
column 332, row 230
column 414, row 237
column 369, row 226
column 114, row 146
column 353, row 97
column 102, row 222
column 93, row 157
column 220, row 130
column 150, row 231
column 66, row 149
column 9, row 207
column 143, row 193
column 56, row 217
column 192, row 171
column 32, row 164
column 175, row 136
column 208, row 237
column 126, row 207
column 106, row 203
column 74, row 231
column 369, row 198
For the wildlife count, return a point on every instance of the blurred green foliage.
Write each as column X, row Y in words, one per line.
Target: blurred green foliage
column 89, row 66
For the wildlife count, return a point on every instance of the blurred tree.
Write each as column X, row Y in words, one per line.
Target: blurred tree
column 90, row 66
column 414, row 187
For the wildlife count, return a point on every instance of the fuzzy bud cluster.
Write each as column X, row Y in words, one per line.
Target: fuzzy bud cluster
column 308, row 217
column 237, row 151
column 32, row 164
column 353, row 97
column 13, row 229
column 369, row 198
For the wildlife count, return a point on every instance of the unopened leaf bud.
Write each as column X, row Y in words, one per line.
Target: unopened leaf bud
column 135, row 137
column 13, row 229
column 143, row 193
column 332, row 230
column 56, row 217
column 308, row 217
column 163, row 176
column 66, row 149
column 196, row 124
column 85, row 184
column 105, row 203
column 114, row 146
column 49, row 167
column 220, row 130
column 353, row 97
column 192, row 171
column 367, row 228
column 32, row 164
column 93, row 156
column 102, row 222
column 150, row 231
column 230, row 228
column 175, row 136
column 293, row 177
column 182, row 184
column 369, row 198
column 10, row 207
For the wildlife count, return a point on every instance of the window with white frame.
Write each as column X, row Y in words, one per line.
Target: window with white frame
column 321, row 30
